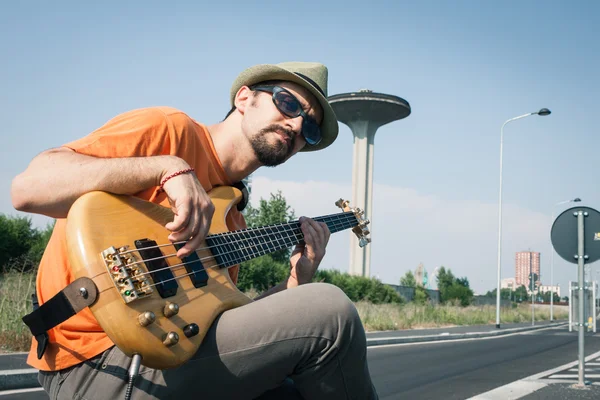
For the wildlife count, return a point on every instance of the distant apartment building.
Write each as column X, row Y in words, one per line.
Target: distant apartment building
column 526, row 262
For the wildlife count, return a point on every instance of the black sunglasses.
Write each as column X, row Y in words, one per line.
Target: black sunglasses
column 290, row 106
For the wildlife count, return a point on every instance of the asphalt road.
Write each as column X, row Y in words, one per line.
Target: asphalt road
column 459, row 369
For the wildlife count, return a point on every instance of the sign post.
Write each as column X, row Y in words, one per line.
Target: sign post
column 575, row 236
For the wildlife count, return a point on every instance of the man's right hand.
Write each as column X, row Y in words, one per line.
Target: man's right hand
column 192, row 207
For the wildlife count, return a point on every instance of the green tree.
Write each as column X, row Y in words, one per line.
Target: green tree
column 19, row 240
column 266, row 271
column 421, row 295
column 445, row 279
column 270, row 212
column 506, row 294
column 521, row 294
column 408, row 279
column 39, row 245
column 546, row 297
column 453, row 288
column 458, row 292
column 16, row 237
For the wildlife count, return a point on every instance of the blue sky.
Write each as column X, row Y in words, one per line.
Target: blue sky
column 464, row 66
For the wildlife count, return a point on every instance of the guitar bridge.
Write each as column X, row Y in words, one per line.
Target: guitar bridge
column 128, row 275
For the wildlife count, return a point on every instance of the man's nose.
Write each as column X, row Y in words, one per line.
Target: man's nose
column 295, row 124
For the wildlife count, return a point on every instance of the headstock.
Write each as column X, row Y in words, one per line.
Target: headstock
column 360, row 229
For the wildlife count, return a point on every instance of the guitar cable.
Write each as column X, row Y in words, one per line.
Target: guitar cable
column 134, row 370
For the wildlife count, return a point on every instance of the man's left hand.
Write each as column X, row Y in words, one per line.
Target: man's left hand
column 307, row 256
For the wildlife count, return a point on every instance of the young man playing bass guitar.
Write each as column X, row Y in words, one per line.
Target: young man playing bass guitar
column 299, row 331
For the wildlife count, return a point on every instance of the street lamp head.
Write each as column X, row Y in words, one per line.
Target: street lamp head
column 543, row 112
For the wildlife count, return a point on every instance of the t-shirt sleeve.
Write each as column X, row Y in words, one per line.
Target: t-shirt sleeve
column 142, row 132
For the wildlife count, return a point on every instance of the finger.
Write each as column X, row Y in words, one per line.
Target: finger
column 320, row 229
column 206, row 216
column 192, row 245
column 310, row 238
column 198, row 231
column 190, row 230
column 326, row 231
column 181, row 219
column 321, row 233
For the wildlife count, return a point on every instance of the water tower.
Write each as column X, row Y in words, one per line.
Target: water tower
column 364, row 112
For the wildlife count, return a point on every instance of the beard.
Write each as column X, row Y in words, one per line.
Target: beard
column 270, row 154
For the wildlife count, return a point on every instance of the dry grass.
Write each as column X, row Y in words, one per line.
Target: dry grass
column 15, row 302
column 412, row 316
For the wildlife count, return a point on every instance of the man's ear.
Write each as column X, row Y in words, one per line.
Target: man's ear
column 242, row 98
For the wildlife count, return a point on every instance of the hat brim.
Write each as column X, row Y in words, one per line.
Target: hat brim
column 268, row 72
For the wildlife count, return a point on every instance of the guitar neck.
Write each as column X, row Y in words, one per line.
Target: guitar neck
column 231, row 248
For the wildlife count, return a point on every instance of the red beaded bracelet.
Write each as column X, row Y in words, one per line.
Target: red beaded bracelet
column 173, row 175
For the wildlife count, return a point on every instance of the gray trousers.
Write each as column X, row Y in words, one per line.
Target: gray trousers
column 302, row 343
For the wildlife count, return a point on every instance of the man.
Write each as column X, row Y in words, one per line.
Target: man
column 310, row 333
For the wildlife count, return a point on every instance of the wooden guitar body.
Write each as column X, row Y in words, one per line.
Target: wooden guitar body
column 99, row 221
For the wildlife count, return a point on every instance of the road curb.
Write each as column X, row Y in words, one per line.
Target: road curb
column 19, row 379
column 28, row 378
column 455, row 336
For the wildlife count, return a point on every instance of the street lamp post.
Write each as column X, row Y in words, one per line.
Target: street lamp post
column 541, row 112
column 575, row 200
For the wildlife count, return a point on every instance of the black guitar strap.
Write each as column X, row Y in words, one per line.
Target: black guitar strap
column 244, row 202
column 81, row 293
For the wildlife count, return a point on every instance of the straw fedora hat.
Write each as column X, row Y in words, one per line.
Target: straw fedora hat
column 312, row 76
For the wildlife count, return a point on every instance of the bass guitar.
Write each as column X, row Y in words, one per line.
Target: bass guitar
column 151, row 303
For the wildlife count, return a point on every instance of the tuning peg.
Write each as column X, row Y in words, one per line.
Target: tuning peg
column 341, row 203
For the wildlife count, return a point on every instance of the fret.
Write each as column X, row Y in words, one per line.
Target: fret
column 234, row 247
column 281, row 244
column 226, row 256
column 241, row 244
column 249, row 243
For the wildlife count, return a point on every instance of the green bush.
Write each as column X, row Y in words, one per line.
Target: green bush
column 261, row 274
column 421, row 295
column 20, row 241
column 359, row 288
column 453, row 289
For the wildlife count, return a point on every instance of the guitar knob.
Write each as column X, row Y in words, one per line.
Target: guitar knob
column 146, row 318
column 170, row 339
column 170, row 310
column 191, row 330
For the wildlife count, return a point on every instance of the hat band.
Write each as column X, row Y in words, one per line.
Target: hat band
column 313, row 83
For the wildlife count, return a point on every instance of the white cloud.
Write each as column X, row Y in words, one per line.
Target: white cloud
column 410, row 227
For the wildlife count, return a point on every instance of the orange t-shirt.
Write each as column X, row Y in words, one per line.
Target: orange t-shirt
column 138, row 133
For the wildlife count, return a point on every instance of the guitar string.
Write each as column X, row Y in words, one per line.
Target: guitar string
column 193, row 272
column 298, row 235
column 205, row 267
column 248, row 246
column 290, row 225
column 264, row 234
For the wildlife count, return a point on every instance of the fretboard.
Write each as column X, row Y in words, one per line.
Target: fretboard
column 231, row 248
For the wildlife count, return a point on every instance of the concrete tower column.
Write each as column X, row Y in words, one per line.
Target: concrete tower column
column 364, row 112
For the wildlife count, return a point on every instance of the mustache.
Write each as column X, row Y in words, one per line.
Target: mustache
column 278, row 129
